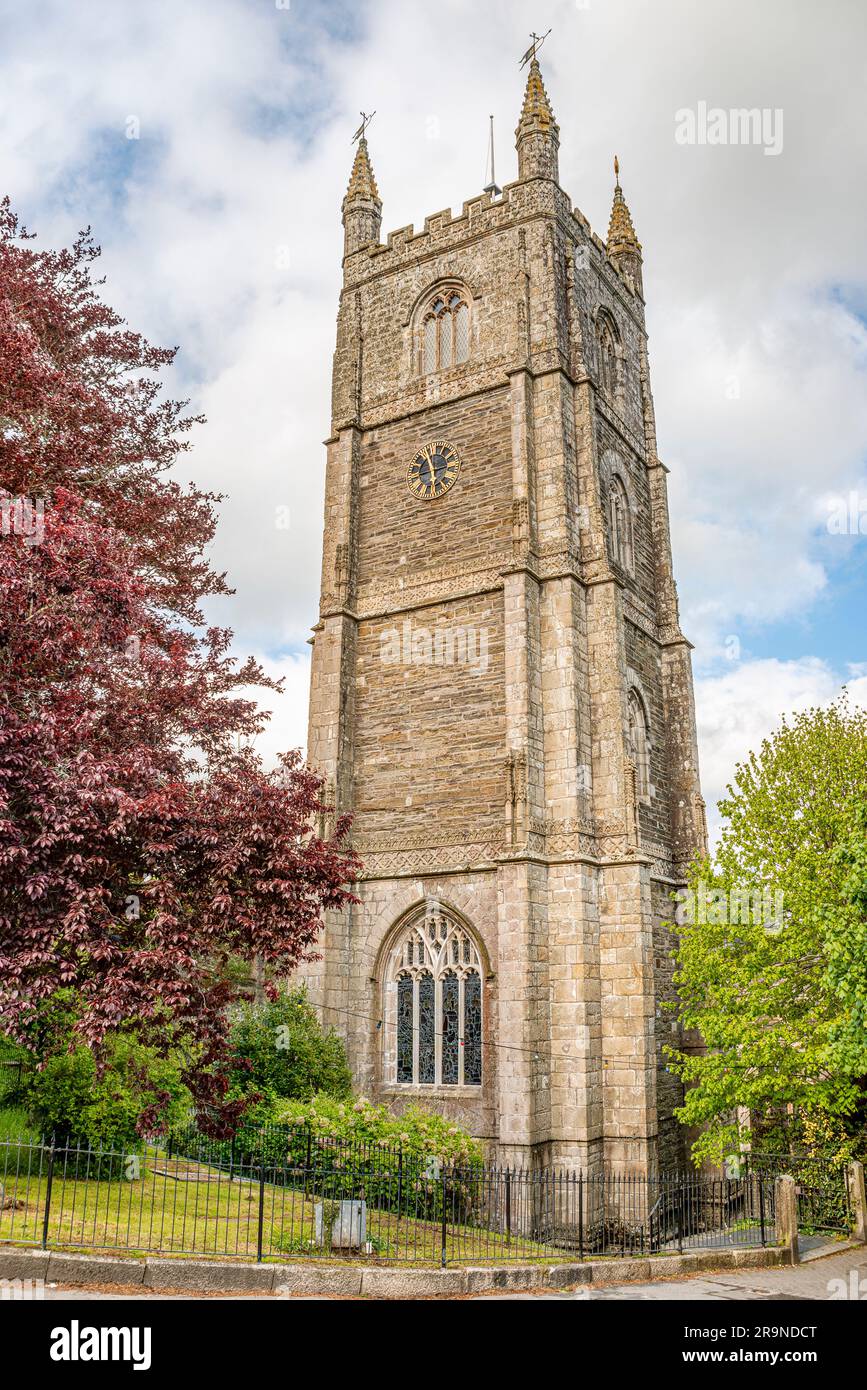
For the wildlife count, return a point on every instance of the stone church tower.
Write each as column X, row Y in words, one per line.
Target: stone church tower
column 501, row 693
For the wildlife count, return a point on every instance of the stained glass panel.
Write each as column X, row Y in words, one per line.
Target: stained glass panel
column 450, row 1030
column 404, row 1028
column 426, row 1028
column 439, row 1004
column 472, row 1031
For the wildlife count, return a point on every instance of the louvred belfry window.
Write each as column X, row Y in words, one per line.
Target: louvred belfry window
column 620, row 525
column 445, row 333
column 638, row 742
column 437, row 973
column 607, row 358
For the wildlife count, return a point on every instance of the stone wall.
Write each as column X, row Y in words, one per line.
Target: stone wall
column 429, row 733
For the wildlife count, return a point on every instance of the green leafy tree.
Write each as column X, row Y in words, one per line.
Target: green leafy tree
column 279, row 1050
column 772, row 942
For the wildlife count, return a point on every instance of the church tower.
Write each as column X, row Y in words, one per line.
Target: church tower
column 501, row 692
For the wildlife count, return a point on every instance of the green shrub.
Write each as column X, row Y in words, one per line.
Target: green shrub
column 359, row 1149
column 67, row 1099
column 416, row 1133
column 338, row 1149
column 280, row 1050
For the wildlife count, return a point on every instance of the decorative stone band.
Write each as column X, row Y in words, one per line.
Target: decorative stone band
column 446, row 582
column 551, row 561
column 385, row 855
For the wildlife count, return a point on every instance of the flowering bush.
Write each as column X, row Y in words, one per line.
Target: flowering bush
column 417, row 1133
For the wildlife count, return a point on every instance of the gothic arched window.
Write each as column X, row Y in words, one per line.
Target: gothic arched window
column 638, row 742
column 607, row 347
column 445, row 332
column 437, row 974
column 620, row 524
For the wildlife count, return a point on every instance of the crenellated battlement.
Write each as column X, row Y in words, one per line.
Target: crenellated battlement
column 481, row 215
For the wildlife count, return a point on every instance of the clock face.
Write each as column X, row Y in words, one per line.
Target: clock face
column 434, row 470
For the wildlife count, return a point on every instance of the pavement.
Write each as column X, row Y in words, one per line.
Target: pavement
column 822, row 1277
column 826, row 1274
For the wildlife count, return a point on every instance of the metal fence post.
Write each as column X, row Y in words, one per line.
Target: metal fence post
column 679, row 1209
column 48, row 1186
column 261, row 1214
column 581, row 1216
column 443, row 1196
column 508, row 1204
column 762, row 1209
column 399, row 1184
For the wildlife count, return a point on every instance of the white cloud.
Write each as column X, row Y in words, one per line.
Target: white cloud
column 752, row 265
column 287, row 727
column 737, row 710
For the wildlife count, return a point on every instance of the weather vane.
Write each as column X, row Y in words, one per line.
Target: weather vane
column 538, row 40
column 365, row 122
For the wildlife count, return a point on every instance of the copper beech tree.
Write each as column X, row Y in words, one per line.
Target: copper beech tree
column 140, row 850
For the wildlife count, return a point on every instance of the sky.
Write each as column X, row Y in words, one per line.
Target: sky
column 207, row 144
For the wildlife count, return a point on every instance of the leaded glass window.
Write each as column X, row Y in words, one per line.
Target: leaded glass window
column 450, row 1002
column 426, row 1030
column 445, row 333
column 405, row 991
column 437, row 976
column 446, row 340
column 462, row 333
column 472, row 1030
column 430, row 345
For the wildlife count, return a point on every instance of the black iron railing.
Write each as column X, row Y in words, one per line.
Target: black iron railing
column 342, row 1202
column 820, row 1184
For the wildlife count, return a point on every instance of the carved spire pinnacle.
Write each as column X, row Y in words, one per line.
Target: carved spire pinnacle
column 623, row 246
column 536, row 113
column 362, row 183
column 538, row 135
column 362, row 206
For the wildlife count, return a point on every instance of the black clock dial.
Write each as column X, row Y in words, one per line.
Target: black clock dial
column 434, row 470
